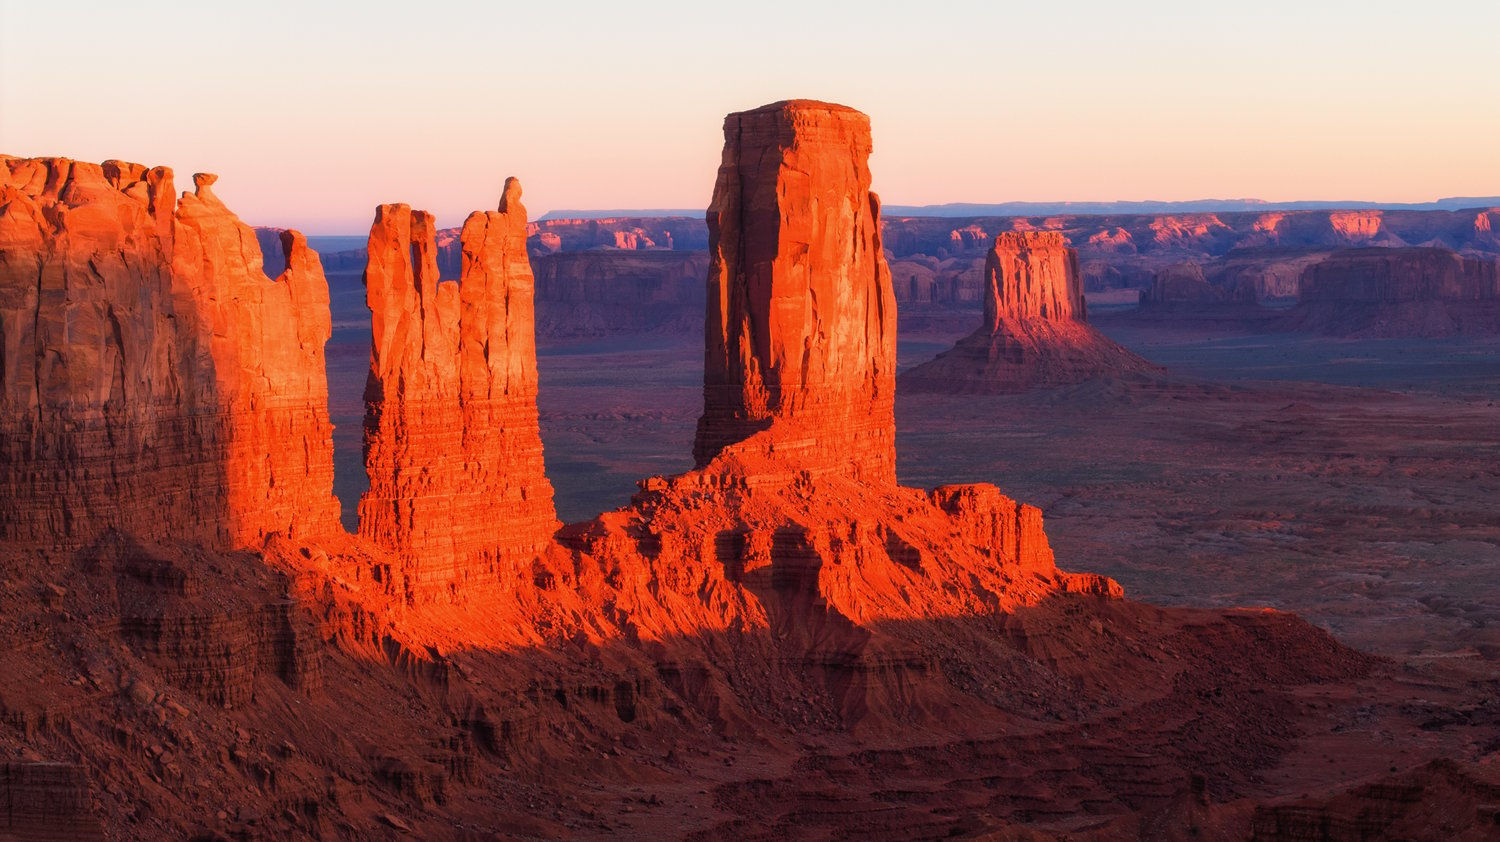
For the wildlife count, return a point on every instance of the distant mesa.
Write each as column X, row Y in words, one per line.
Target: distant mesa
column 973, row 209
column 1392, row 292
column 1035, row 330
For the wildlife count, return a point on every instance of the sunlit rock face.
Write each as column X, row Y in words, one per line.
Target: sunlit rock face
column 792, row 537
column 1034, row 331
column 458, row 490
column 153, row 379
column 801, row 332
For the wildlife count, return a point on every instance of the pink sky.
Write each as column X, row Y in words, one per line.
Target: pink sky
column 313, row 113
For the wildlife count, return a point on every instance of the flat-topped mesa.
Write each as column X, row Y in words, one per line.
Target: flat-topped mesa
column 1035, row 331
column 1394, row 275
column 801, row 330
column 452, row 445
column 1390, row 292
column 152, row 378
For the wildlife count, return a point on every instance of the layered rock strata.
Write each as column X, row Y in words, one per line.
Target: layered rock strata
column 153, row 379
column 458, row 490
column 1034, row 331
column 792, row 535
column 1399, row 292
column 801, row 332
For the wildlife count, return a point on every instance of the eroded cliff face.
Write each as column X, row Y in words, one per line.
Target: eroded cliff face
column 1032, row 276
column 1398, row 275
column 801, row 332
column 1399, row 292
column 1034, row 332
column 783, row 608
column 458, row 491
column 792, row 537
column 154, row 379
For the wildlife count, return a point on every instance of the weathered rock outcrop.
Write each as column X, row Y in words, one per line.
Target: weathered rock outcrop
column 793, row 524
column 1399, row 292
column 152, row 378
column 1035, row 330
column 801, row 333
column 1388, row 276
column 1182, row 283
column 784, row 627
column 458, row 491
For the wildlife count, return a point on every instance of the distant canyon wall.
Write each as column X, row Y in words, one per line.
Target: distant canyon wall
column 1370, row 292
column 1425, row 292
column 940, row 261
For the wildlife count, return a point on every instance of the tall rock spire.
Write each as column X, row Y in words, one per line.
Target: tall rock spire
column 801, row 329
column 452, row 445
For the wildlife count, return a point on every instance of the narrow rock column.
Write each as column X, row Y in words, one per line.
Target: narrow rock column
column 801, row 329
column 452, row 443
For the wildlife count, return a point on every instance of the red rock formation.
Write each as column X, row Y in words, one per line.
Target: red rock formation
column 1397, row 275
column 1032, row 276
column 1182, row 282
column 154, row 379
column 863, row 636
column 1355, row 226
column 1034, row 331
column 457, row 486
column 801, row 334
column 1399, row 292
column 794, row 524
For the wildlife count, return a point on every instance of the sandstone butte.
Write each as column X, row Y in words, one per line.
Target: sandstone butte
column 1035, row 329
column 152, row 378
column 164, row 402
column 801, row 327
column 457, row 489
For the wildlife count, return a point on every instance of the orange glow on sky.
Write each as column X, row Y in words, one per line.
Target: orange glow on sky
column 313, row 113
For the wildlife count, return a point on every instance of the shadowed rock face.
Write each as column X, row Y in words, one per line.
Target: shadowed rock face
column 801, row 331
column 458, row 490
column 1399, row 275
column 793, row 521
column 888, row 661
column 1399, row 292
column 1035, row 331
column 152, row 378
